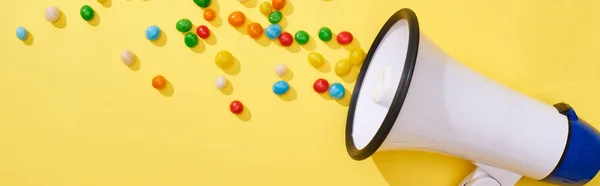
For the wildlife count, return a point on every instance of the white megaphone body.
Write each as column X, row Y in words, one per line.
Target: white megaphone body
column 411, row 95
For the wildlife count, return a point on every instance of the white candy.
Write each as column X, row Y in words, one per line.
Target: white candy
column 52, row 14
column 127, row 57
column 221, row 82
column 281, row 69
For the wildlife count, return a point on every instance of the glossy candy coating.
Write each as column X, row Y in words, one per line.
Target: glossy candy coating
column 315, row 59
column 224, row 59
column 266, row 8
column 127, row 57
column 22, row 33
column 183, row 25
column 273, row 31
column 52, row 14
column 202, row 3
column 221, row 83
column 281, row 70
column 159, row 82
column 278, row 4
column 209, row 14
column 86, row 12
column 302, row 37
column 357, row 56
column 325, row 34
column 337, row 91
column 321, row 86
column 255, row 30
column 236, row 107
column 203, row 32
column 344, row 38
column 191, row 40
column 236, row 19
column 281, row 87
column 275, row 17
column 286, row 39
column 343, row 67
column 152, row 32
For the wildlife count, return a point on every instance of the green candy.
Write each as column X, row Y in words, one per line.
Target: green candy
column 183, row 25
column 275, row 17
column 202, row 3
column 191, row 40
column 302, row 37
column 87, row 12
column 325, row 34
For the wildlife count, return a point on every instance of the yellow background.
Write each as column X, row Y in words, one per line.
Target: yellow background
column 72, row 114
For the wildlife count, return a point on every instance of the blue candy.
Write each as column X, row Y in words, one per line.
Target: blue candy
column 21, row 33
column 273, row 31
column 281, row 87
column 337, row 91
column 152, row 32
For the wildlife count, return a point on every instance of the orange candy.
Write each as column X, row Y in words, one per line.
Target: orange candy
column 278, row 4
column 209, row 14
column 255, row 30
column 159, row 82
column 237, row 19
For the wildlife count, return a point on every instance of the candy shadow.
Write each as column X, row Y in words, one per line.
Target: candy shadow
column 162, row 39
column 199, row 48
column 136, row 63
column 250, row 3
column 107, row 3
column 246, row 115
column 228, row 90
column 325, row 95
column 263, row 40
column 283, row 22
column 29, row 40
column 62, row 20
column 351, row 76
column 333, row 44
column 234, row 69
column 95, row 20
column 168, row 91
column 212, row 39
column 353, row 45
column 214, row 5
column 311, row 45
column 217, row 22
column 288, row 9
column 288, row 76
column 325, row 68
column 290, row 95
column 244, row 28
column 345, row 101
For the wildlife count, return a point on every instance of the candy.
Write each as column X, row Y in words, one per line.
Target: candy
column 191, row 40
column 345, row 38
column 281, row 87
column 209, row 14
column 255, row 30
column 202, row 3
column 275, row 17
column 101, row 1
column 237, row 19
column 278, row 4
column 127, row 57
column 52, row 14
column 203, row 32
column 325, row 34
column 152, row 32
column 86, row 12
column 280, row 70
column 321, row 86
column 236, row 107
column 159, row 82
column 21, row 33
column 315, row 59
column 357, row 56
column 343, row 67
column 302, row 37
column 337, row 91
column 266, row 8
column 286, row 39
column 273, row 31
column 224, row 59
column 183, row 25
column 221, row 82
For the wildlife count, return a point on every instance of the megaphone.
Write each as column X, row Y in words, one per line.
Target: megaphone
column 410, row 95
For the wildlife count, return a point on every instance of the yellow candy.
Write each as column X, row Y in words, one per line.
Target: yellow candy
column 101, row 1
column 224, row 59
column 343, row 67
column 266, row 8
column 316, row 59
column 357, row 56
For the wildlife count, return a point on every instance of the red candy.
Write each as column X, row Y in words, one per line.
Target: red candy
column 236, row 107
column 203, row 32
column 286, row 39
column 344, row 38
column 321, row 86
